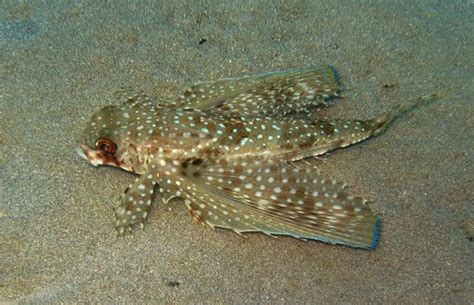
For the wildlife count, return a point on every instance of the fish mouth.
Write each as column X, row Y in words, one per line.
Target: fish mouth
column 93, row 157
column 97, row 158
column 80, row 151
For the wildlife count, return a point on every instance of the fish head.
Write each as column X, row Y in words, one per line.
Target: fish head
column 108, row 139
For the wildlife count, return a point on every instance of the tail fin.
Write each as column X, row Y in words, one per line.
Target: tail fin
column 385, row 120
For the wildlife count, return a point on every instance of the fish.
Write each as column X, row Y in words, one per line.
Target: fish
column 227, row 148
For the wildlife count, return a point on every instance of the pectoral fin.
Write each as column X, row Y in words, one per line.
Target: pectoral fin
column 278, row 199
column 277, row 94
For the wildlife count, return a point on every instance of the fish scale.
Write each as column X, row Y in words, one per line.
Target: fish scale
column 226, row 148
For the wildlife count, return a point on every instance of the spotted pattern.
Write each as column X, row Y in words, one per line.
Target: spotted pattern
column 136, row 203
column 225, row 147
column 276, row 94
column 276, row 198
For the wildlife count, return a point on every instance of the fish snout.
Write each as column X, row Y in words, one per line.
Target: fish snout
column 88, row 154
column 80, row 151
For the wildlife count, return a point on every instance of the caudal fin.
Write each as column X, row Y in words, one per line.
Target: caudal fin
column 385, row 120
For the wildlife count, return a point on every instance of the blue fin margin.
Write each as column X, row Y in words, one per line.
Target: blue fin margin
column 337, row 76
column 377, row 229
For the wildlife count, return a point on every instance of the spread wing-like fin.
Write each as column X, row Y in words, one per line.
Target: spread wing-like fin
column 278, row 94
column 278, row 199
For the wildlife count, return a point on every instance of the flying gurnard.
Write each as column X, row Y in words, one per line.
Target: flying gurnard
column 228, row 147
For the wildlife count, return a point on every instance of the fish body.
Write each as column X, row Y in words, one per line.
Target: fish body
column 226, row 148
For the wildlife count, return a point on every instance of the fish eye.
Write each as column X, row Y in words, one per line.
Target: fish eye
column 105, row 145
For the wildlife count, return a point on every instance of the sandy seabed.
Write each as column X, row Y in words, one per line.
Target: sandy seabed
column 59, row 64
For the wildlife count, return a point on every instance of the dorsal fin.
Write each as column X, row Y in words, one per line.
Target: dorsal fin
column 133, row 97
